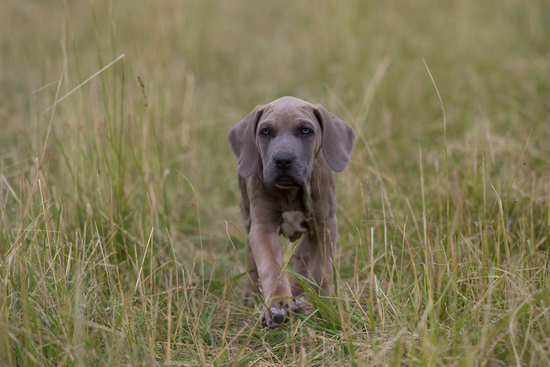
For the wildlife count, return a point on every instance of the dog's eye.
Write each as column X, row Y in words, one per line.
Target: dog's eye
column 306, row 131
column 264, row 131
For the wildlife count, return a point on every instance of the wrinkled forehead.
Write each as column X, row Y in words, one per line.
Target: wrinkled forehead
column 287, row 111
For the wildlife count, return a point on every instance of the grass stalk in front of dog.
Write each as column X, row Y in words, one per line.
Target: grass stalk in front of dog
column 120, row 233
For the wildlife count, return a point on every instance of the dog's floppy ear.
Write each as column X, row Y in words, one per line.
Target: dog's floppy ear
column 243, row 143
column 338, row 139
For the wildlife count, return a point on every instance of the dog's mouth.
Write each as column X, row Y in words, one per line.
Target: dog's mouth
column 285, row 182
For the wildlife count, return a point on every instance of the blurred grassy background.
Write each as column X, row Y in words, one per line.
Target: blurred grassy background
column 121, row 240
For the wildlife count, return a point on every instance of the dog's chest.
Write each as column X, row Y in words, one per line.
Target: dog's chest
column 293, row 224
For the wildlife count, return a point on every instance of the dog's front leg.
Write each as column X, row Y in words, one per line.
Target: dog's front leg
column 314, row 257
column 325, row 255
column 264, row 242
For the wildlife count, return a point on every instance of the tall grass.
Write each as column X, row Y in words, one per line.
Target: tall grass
column 120, row 233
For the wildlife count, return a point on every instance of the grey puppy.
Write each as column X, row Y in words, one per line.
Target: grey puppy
column 287, row 151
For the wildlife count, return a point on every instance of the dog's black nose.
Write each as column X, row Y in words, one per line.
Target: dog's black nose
column 283, row 160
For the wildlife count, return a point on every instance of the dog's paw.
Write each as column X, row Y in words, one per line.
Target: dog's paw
column 299, row 304
column 278, row 311
column 249, row 298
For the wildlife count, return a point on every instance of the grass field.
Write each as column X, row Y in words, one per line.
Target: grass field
column 120, row 233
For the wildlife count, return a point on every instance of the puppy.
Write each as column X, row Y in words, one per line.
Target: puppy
column 287, row 151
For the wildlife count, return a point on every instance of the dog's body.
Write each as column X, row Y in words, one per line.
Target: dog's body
column 287, row 151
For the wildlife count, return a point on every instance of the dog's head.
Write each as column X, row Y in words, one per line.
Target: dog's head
column 286, row 136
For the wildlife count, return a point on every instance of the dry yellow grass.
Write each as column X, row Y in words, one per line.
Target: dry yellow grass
column 120, row 237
